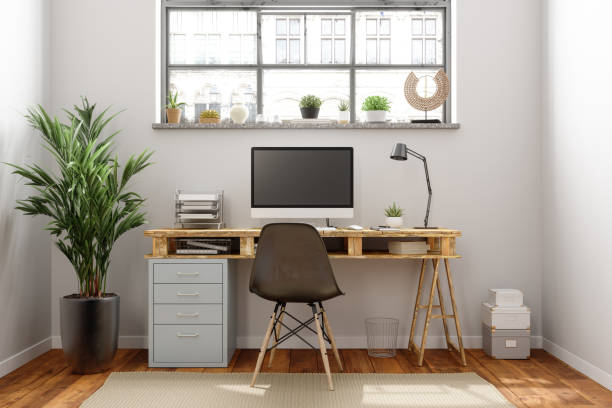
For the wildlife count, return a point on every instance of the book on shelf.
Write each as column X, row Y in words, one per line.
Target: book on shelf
column 207, row 245
column 191, row 251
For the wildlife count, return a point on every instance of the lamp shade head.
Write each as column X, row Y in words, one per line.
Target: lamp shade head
column 399, row 152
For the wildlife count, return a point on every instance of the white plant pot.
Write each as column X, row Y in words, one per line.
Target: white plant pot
column 376, row 116
column 344, row 117
column 239, row 113
column 395, row 222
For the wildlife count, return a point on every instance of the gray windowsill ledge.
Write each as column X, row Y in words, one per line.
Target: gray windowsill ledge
column 358, row 125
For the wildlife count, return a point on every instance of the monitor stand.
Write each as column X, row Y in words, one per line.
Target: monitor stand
column 327, row 227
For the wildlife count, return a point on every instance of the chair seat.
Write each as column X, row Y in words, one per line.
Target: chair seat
column 287, row 293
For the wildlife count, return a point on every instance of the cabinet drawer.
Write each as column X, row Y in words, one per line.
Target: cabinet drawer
column 187, row 293
column 188, row 343
column 188, row 273
column 188, row 314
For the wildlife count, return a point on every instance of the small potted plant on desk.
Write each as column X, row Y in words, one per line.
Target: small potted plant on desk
column 209, row 116
column 309, row 106
column 376, row 108
column 89, row 208
column 344, row 115
column 173, row 108
column 393, row 216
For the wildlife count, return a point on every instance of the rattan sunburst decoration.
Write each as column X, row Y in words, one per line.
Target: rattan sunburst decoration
column 427, row 103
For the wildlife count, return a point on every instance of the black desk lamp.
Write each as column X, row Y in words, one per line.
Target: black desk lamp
column 401, row 152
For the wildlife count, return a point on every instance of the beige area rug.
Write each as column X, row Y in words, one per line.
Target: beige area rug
column 191, row 390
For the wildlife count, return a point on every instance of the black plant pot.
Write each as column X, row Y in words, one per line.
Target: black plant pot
column 89, row 328
column 309, row 113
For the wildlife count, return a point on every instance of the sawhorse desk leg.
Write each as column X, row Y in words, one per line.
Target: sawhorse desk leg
column 435, row 284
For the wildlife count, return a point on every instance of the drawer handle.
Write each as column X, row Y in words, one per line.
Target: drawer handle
column 187, row 335
column 196, row 314
column 187, row 294
column 188, row 273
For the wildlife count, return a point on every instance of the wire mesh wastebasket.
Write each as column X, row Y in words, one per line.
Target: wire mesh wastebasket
column 382, row 336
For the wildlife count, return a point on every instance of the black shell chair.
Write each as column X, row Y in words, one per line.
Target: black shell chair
column 291, row 266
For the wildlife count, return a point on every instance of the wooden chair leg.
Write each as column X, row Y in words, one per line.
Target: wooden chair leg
column 417, row 302
column 264, row 346
column 429, row 307
column 277, row 335
column 330, row 384
column 443, row 313
column 451, row 289
column 332, row 340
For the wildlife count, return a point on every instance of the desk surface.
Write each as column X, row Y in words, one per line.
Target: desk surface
column 340, row 232
column 441, row 242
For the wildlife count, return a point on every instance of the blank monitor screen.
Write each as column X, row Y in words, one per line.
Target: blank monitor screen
column 312, row 177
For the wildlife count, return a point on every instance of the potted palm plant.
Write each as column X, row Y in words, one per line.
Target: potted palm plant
column 89, row 207
column 173, row 108
column 376, row 108
column 309, row 106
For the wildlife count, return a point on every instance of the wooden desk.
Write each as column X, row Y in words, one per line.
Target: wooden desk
column 441, row 248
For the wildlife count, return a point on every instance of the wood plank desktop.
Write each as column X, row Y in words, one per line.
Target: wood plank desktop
column 441, row 242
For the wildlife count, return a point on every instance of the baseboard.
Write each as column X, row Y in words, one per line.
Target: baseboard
column 15, row 361
column 595, row 373
column 254, row 342
column 434, row 342
column 126, row 342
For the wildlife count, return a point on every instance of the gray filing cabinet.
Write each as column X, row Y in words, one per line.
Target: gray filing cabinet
column 191, row 313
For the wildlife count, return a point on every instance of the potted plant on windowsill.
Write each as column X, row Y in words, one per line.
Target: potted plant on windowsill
column 209, row 116
column 344, row 115
column 376, row 108
column 89, row 207
column 393, row 216
column 173, row 108
column 309, row 106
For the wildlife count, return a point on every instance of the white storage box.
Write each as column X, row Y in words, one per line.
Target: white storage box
column 505, row 297
column 506, row 318
column 506, row 344
column 408, row 248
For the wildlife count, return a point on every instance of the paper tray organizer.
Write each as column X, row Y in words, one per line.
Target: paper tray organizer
column 193, row 209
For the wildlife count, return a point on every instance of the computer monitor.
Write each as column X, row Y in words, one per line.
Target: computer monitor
column 302, row 182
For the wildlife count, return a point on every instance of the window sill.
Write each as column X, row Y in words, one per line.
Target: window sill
column 358, row 125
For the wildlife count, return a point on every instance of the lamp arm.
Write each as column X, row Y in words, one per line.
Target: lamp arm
column 429, row 190
column 415, row 154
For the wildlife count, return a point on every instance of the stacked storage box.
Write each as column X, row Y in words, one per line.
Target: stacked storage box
column 506, row 326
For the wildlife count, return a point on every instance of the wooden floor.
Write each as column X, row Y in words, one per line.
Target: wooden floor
column 542, row 381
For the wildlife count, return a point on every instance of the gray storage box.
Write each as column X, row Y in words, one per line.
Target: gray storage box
column 506, row 344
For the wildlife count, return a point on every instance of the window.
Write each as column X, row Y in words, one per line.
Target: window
column 269, row 57
column 425, row 40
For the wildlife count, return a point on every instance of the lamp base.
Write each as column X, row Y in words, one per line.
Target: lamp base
column 425, row 121
column 426, row 227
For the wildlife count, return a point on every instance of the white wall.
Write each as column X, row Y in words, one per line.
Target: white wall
column 485, row 176
column 577, row 196
column 25, row 271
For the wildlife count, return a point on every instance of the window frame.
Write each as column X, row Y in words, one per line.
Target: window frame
column 430, row 5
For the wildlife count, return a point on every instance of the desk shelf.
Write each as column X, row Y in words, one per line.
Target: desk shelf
column 386, row 255
column 351, row 244
column 333, row 255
